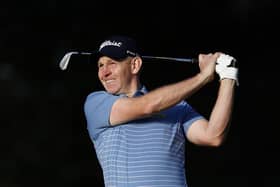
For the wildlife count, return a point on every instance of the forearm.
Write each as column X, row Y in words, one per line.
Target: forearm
column 169, row 95
column 127, row 109
column 221, row 113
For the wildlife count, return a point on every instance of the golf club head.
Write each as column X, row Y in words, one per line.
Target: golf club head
column 65, row 60
column 67, row 57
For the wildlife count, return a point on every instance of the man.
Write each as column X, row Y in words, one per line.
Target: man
column 139, row 136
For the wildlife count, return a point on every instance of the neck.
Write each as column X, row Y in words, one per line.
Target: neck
column 134, row 88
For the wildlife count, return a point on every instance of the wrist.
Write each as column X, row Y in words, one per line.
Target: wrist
column 228, row 81
column 202, row 77
column 229, row 73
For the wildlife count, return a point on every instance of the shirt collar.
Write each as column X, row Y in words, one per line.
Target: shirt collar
column 141, row 91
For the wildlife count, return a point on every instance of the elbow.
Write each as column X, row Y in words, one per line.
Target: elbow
column 215, row 142
column 209, row 142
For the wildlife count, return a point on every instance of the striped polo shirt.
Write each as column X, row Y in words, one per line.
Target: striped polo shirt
column 143, row 153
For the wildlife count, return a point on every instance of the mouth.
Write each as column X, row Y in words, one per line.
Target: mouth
column 108, row 81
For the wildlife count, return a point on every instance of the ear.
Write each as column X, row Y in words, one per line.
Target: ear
column 136, row 64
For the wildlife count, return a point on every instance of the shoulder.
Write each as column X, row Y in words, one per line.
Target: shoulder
column 184, row 108
column 98, row 98
column 96, row 94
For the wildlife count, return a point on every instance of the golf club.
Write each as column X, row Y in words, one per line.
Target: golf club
column 67, row 57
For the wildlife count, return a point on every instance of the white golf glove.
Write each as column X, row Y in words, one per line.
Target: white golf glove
column 225, row 68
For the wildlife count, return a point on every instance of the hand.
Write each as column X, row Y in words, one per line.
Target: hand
column 226, row 68
column 207, row 63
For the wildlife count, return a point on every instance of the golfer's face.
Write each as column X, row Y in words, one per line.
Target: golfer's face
column 114, row 75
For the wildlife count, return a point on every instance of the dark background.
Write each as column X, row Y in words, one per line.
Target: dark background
column 44, row 141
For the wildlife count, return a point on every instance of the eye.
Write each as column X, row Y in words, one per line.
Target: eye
column 112, row 63
column 107, row 64
column 100, row 65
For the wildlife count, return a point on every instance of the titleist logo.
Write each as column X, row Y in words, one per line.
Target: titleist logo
column 110, row 43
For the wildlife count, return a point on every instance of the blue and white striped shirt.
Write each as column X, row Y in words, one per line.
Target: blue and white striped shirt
column 143, row 153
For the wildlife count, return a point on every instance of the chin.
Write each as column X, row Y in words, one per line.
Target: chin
column 112, row 91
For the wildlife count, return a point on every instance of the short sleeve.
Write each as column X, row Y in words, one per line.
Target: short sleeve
column 190, row 116
column 97, row 109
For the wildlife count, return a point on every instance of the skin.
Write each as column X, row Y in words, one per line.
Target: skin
column 122, row 77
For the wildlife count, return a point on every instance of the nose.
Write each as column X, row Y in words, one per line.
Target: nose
column 105, row 71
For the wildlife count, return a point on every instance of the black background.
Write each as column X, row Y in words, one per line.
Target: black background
column 44, row 141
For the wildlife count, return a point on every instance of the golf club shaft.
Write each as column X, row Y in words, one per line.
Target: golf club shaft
column 190, row 60
column 67, row 57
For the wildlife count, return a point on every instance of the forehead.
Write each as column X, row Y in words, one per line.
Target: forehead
column 105, row 59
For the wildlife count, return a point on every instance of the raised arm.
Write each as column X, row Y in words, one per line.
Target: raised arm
column 213, row 132
column 126, row 109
